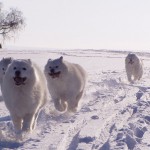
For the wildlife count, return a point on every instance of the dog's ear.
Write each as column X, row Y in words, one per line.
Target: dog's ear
column 49, row 59
column 11, row 59
column 61, row 59
column 29, row 61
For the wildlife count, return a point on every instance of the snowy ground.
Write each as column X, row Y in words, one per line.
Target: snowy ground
column 114, row 115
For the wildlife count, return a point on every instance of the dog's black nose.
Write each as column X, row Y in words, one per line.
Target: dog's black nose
column 17, row 73
column 52, row 70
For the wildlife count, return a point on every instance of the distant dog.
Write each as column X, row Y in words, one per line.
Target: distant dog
column 3, row 66
column 134, row 67
column 24, row 91
column 66, row 83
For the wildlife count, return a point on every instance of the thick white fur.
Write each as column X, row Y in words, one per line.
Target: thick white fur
column 67, row 89
column 24, row 101
column 134, row 67
column 3, row 66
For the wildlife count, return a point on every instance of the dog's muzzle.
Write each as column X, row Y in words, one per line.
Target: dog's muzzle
column 131, row 62
column 54, row 74
column 19, row 80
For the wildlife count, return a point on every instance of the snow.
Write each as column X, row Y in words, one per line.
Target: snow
column 114, row 114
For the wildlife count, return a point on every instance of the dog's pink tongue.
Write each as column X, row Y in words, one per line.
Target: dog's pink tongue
column 55, row 75
column 19, row 80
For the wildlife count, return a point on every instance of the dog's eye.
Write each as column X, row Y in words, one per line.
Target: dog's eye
column 3, row 69
column 50, row 67
column 15, row 68
column 24, row 68
column 56, row 66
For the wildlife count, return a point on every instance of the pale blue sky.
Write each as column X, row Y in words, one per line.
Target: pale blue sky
column 97, row 24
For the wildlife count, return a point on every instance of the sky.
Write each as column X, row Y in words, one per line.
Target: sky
column 83, row 24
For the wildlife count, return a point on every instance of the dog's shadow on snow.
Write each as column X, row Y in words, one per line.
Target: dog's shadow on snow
column 9, row 144
column 6, row 118
column 142, row 88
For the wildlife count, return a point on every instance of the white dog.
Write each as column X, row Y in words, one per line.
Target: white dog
column 3, row 66
column 24, row 91
column 134, row 67
column 66, row 83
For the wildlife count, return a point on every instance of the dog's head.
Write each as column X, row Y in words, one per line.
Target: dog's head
column 54, row 68
column 131, row 59
column 20, row 71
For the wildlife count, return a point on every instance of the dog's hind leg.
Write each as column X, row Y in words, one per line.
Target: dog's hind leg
column 73, row 103
column 136, row 77
column 140, row 76
column 79, row 96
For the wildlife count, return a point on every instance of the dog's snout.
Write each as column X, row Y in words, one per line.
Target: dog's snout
column 17, row 73
column 52, row 70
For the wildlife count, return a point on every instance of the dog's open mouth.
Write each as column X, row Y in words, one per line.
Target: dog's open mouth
column 131, row 62
column 19, row 80
column 55, row 74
